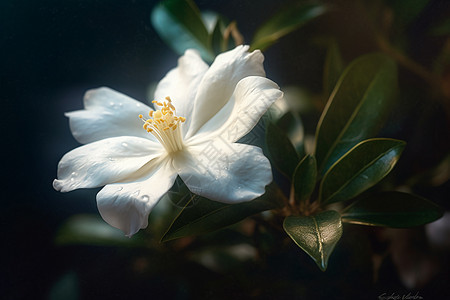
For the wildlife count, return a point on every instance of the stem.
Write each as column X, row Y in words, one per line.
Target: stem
column 432, row 79
column 406, row 62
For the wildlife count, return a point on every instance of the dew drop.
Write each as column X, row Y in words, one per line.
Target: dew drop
column 120, row 188
column 73, row 175
column 135, row 194
column 111, row 159
column 145, row 198
column 124, row 144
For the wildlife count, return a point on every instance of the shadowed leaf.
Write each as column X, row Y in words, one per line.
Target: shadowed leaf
column 316, row 235
column 392, row 209
column 359, row 169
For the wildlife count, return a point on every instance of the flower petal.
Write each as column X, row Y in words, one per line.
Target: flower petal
column 219, row 82
column 224, row 172
column 126, row 206
column 105, row 161
column 181, row 83
column 251, row 99
column 107, row 113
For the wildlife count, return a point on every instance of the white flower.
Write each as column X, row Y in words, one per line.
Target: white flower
column 215, row 106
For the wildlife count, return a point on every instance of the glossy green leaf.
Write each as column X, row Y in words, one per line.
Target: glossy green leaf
column 357, row 109
column 281, row 151
column 179, row 24
column 304, row 179
column 334, row 66
column 92, row 230
column 285, row 21
column 359, row 169
column 202, row 215
column 392, row 209
column 316, row 235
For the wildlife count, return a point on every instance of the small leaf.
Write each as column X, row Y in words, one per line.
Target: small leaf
column 357, row 108
column 92, row 230
column 359, row 169
column 284, row 22
column 204, row 215
column 304, row 179
column 316, row 235
column 281, row 150
column 392, row 209
column 179, row 24
column 334, row 67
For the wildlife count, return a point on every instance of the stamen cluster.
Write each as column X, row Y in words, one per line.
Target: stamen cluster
column 164, row 125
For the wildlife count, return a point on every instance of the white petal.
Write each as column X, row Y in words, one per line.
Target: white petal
column 181, row 83
column 126, row 206
column 251, row 99
column 105, row 161
column 224, row 172
column 219, row 82
column 107, row 113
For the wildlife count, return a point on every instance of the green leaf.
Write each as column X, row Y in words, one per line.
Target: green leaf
column 406, row 11
column 359, row 169
column 304, row 179
column 334, row 66
column 202, row 215
column 281, row 151
column 284, row 22
column 392, row 209
column 291, row 124
column 217, row 37
column 92, row 230
column 316, row 235
column 357, row 109
column 442, row 29
column 179, row 24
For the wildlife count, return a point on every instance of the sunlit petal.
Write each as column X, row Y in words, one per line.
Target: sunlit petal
column 107, row 113
column 102, row 162
column 127, row 205
column 224, row 172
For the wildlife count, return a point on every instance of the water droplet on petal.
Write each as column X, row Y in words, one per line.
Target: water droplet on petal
column 111, row 159
column 135, row 194
column 125, row 144
column 73, row 175
column 145, row 198
column 120, row 188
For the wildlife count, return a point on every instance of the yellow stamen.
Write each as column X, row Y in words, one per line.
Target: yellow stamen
column 163, row 124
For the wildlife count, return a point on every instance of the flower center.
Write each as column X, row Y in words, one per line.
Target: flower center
column 164, row 125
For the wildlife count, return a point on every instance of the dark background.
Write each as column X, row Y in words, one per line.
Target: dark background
column 51, row 53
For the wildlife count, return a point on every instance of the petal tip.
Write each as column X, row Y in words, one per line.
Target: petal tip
column 58, row 185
